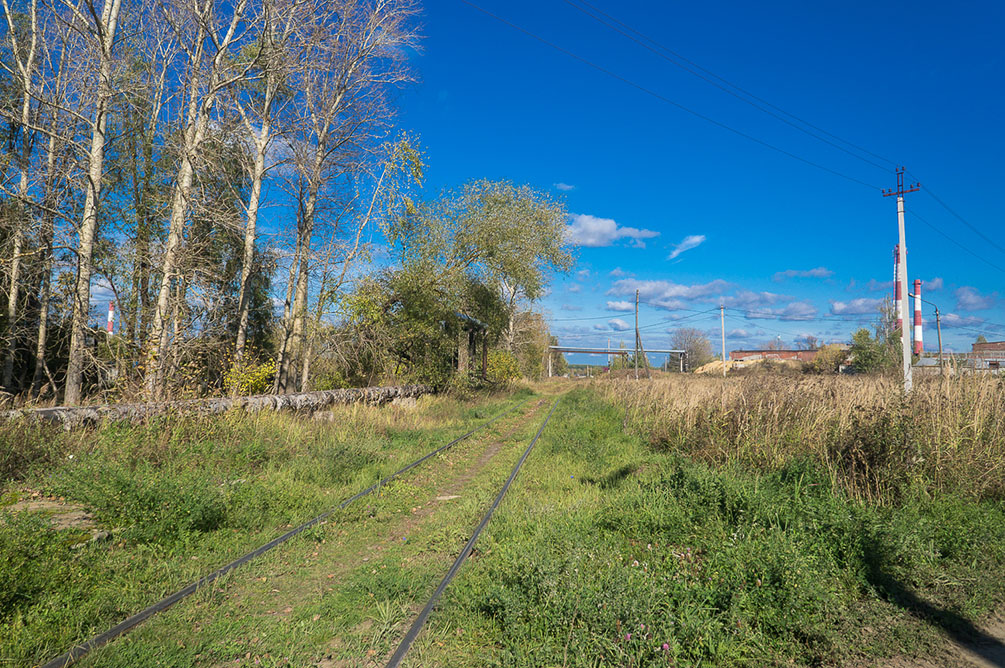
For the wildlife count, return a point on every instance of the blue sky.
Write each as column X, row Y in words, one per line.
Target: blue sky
column 694, row 214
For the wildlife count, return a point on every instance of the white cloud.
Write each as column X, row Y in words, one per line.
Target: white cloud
column 667, row 294
column 620, row 306
column 879, row 286
column 818, row 272
column 969, row 299
column 747, row 299
column 618, row 272
column 932, row 285
column 686, row 244
column 738, row 334
column 794, row 311
column 583, row 274
column 618, row 325
column 564, row 187
column 860, row 306
column 571, row 307
column 950, row 320
column 574, row 288
column 593, row 232
column 600, row 327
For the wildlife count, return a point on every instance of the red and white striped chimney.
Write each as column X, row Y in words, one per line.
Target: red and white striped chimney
column 918, row 343
column 896, row 288
column 111, row 316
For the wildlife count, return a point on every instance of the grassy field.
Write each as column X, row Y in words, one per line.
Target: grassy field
column 688, row 522
column 181, row 497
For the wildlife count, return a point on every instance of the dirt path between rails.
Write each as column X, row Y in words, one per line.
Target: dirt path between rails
column 246, row 620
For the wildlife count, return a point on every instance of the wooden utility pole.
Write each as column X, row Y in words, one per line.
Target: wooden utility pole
column 905, row 337
column 938, row 327
column 722, row 327
column 636, row 335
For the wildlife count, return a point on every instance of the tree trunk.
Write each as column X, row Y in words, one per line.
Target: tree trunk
column 89, row 218
column 248, row 259
column 283, row 366
column 200, row 104
column 26, row 70
column 44, row 295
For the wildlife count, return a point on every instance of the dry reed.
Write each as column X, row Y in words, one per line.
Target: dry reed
column 949, row 435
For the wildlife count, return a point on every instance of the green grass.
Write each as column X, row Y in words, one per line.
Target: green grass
column 603, row 537
column 180, row 498
column 609, row 545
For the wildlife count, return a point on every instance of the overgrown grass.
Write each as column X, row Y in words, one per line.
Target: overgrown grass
column 610, row 551
column 181, row 497
column 949, row 435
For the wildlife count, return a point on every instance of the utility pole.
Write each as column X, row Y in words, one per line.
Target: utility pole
column 938, row 327
column 636, row 335
column 905, row 338
column 722, row 326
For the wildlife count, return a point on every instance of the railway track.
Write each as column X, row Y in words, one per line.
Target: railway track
column 413, row 632
column 77, row 652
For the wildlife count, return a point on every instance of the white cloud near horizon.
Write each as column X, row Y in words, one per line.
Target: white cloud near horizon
column 818, row 272
column 564, row 187
column 969, row 299
column 667, row 294
column 620, row 306
column 618, row 325
column 686, row 244
column 861, row 306
column 593, row 232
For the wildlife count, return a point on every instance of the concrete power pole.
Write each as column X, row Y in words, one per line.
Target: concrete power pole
column 905, row 334
column 636, row 335
column 722, row 327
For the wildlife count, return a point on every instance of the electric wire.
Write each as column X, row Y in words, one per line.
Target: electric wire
column 665, row 99
column 957, row 243
column 728, row 90
column 963, row 220
column 734, row 86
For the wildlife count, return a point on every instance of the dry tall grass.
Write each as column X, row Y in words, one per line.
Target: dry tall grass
column 949, row 435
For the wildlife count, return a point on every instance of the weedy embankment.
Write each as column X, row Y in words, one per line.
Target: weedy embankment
column 177, row 497
column 752, row 524
column 947, row 436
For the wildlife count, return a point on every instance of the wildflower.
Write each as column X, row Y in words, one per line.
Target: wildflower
column 666, row 647
column 628, row 636
column 635, row 563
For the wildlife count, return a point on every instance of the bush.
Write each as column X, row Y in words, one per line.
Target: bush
column 828, row 359
column 503, row 367
column 250, row 377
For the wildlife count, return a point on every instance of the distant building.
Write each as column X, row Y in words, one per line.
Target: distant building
column 749, row 355
column 990, row 355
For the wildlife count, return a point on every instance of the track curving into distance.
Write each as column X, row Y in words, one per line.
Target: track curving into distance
column 413, row 631
column 78, row 651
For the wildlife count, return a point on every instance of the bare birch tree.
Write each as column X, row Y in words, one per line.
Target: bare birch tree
column 24, row 49
column 354, row 55
column 99, row 26
column 207, row 39
column 274, row 52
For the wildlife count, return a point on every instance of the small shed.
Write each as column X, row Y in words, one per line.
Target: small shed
column 472, row 335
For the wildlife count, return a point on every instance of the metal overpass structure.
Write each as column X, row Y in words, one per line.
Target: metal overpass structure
column 681, row 354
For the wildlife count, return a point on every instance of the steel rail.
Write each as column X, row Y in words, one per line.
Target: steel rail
column 78, row 651
column 413, row 631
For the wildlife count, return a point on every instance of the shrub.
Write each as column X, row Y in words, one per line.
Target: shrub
column 503, row 366
column 250, row 377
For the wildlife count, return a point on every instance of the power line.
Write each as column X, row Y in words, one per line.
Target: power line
column 957, row 243
column 962, row 219
column 665, row 99
column 728, row 88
